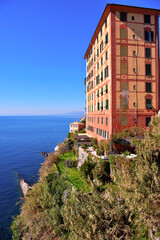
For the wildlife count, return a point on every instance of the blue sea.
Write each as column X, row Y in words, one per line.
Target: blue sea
column 22, row 139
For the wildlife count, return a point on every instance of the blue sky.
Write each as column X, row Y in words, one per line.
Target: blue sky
column 42, row 45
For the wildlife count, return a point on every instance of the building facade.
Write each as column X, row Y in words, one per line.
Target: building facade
column 76, row 126
column 122, row 79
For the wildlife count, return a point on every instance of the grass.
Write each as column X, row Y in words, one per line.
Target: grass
column 73, row 175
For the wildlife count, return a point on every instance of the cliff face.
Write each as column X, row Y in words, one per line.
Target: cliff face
column 69, row 204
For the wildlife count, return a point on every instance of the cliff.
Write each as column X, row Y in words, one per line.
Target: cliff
column 120, row 200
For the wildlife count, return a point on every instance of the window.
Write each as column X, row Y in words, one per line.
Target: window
column 148, row 69
column 134, row 53
column 148, row 103
column 148, row 87
column 105, row 22
column 123, row 16
column 134, row 104
column 107, row 69
column 97, row 80
column 98, row 93
column 124, row 68
column 123, row 33
column 148, row 119
column 148, row 52
column 107, row 135
column 124, row 50
column 98, row 106
column 106, row 38
column 107, row 104
column 132, row 17
column 134, row 70
column 101, row 76
column 147, row 19
column 134, row 87
column 98, row 120
column 97, row 52
column 149, row 36
column 134, row 36
column 101, row 91
column 106, row 55
column 101, row 105
column 101, row 61
column 101, row 120
column 97, row 65
column 106, row 88
column 106, row 121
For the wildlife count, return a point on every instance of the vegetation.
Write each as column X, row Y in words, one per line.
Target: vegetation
column 119, row 199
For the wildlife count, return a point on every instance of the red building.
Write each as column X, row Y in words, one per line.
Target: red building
column 122, row 80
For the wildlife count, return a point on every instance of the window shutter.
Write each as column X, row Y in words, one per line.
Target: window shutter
column 148, row 69
column 124, row 50
column 124, row 68
column 152, row 36
column 107, row 104
column 123, row 33
column 106, row 88
column 106, row 38
column 148, row 103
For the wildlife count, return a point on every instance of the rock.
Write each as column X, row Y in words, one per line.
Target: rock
column 45, row 154
column 24, row 186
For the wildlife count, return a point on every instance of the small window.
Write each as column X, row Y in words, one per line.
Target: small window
column 134, row 87
column 123, row 16
column 106, row 121
column 148, row 52
column 134, row 36
column 148, row 87
column 134, row 104
column 148, row 69
column 148, row 103
column 134, row 53
column 147, row 19
column 132, row 17
column 148, row 119
column 134, row 70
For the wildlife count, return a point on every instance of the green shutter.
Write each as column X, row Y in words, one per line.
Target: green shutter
column 106, row 88
column 107, row 104
column 106, row 121
column 148, row 52
column 124, row 103
column 148, row 103
column 148, row 87
column 148, row 69
column 123, row 33
column 106, row 38
column 124, row 86
column 124, row 50
column 124, row 69
column 124, row 120
column 152, row 36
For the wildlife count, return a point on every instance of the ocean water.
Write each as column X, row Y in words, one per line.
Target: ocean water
column 22, row 139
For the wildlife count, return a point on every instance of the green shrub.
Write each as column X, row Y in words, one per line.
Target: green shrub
column 86, row 169
column 70, row 163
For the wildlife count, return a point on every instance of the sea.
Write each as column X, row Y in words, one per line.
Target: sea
column 22, row 139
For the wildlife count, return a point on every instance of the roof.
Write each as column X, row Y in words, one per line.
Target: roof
column 82, row 137
column 118, row 7
column 77, row 123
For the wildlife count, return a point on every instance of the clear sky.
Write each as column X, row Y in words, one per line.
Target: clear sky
column 42, row 45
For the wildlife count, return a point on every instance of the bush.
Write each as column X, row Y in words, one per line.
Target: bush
column 63, row 148
column 86, row 169
column 99, row 152
column 70, row 163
